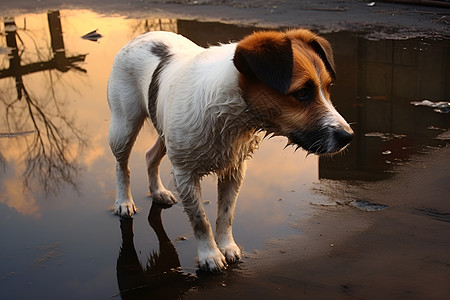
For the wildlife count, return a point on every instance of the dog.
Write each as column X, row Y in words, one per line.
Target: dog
column 209, row 108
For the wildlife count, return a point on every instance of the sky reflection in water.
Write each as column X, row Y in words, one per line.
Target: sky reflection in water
column 56, row 215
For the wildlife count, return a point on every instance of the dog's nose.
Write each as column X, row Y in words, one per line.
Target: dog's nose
column 343, row 137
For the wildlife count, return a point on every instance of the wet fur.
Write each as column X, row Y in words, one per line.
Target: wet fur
column 208, row 107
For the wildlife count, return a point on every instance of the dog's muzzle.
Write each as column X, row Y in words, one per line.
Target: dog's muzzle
column 326, row 140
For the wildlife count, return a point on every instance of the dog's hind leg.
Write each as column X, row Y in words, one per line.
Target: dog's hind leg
column 228, row 189
column 209, row 256
column 122, row 135
column 157, row 189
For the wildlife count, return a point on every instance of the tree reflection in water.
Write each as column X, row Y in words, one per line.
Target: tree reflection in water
column 55, row 142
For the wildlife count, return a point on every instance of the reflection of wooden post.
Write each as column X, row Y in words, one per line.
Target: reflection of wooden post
column 11, row 42
column 54, row 24
column 59, row 60
column 14, row 61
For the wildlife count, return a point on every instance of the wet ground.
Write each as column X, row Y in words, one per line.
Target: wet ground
column 371, row 223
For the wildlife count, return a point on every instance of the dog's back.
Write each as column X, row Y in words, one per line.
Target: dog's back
column 134, row 65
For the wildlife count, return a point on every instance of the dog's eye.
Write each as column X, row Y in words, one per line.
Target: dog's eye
column 301, row 94
column 329, row 87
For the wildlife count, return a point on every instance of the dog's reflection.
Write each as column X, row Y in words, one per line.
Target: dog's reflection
column 162, row 275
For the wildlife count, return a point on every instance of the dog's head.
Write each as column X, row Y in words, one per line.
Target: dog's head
column 285, row 78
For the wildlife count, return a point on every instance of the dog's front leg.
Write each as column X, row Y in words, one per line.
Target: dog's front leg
column 228, row 189
column 209, row 256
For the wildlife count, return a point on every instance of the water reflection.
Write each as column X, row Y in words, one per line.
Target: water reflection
column 54, row 140
column 161, row 276
column 377, row 80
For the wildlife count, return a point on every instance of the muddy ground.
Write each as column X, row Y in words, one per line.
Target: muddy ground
column 381, row 19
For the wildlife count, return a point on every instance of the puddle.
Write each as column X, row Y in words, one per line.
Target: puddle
column 57, row 172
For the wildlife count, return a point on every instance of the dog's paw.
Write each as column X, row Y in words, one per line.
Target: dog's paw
column 164, row 197
column 125, row 209
column 231, row 251
column 212, row 260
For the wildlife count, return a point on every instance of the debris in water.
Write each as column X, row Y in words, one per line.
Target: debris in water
column 385, row 136
column 445, row 136
column 92, row 36
column 377, row 98
column 440, row 107
column 434, row 128
column 367, row 206
column 180, row 238
column 387, row 152
column 371, row 4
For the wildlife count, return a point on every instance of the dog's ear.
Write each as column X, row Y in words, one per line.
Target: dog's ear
column 266, row 56
column 318, row 44
column 323, row 48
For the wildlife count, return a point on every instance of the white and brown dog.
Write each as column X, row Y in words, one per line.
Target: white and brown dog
column 208, row 107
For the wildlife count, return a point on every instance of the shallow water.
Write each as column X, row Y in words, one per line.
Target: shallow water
column 60, row 238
